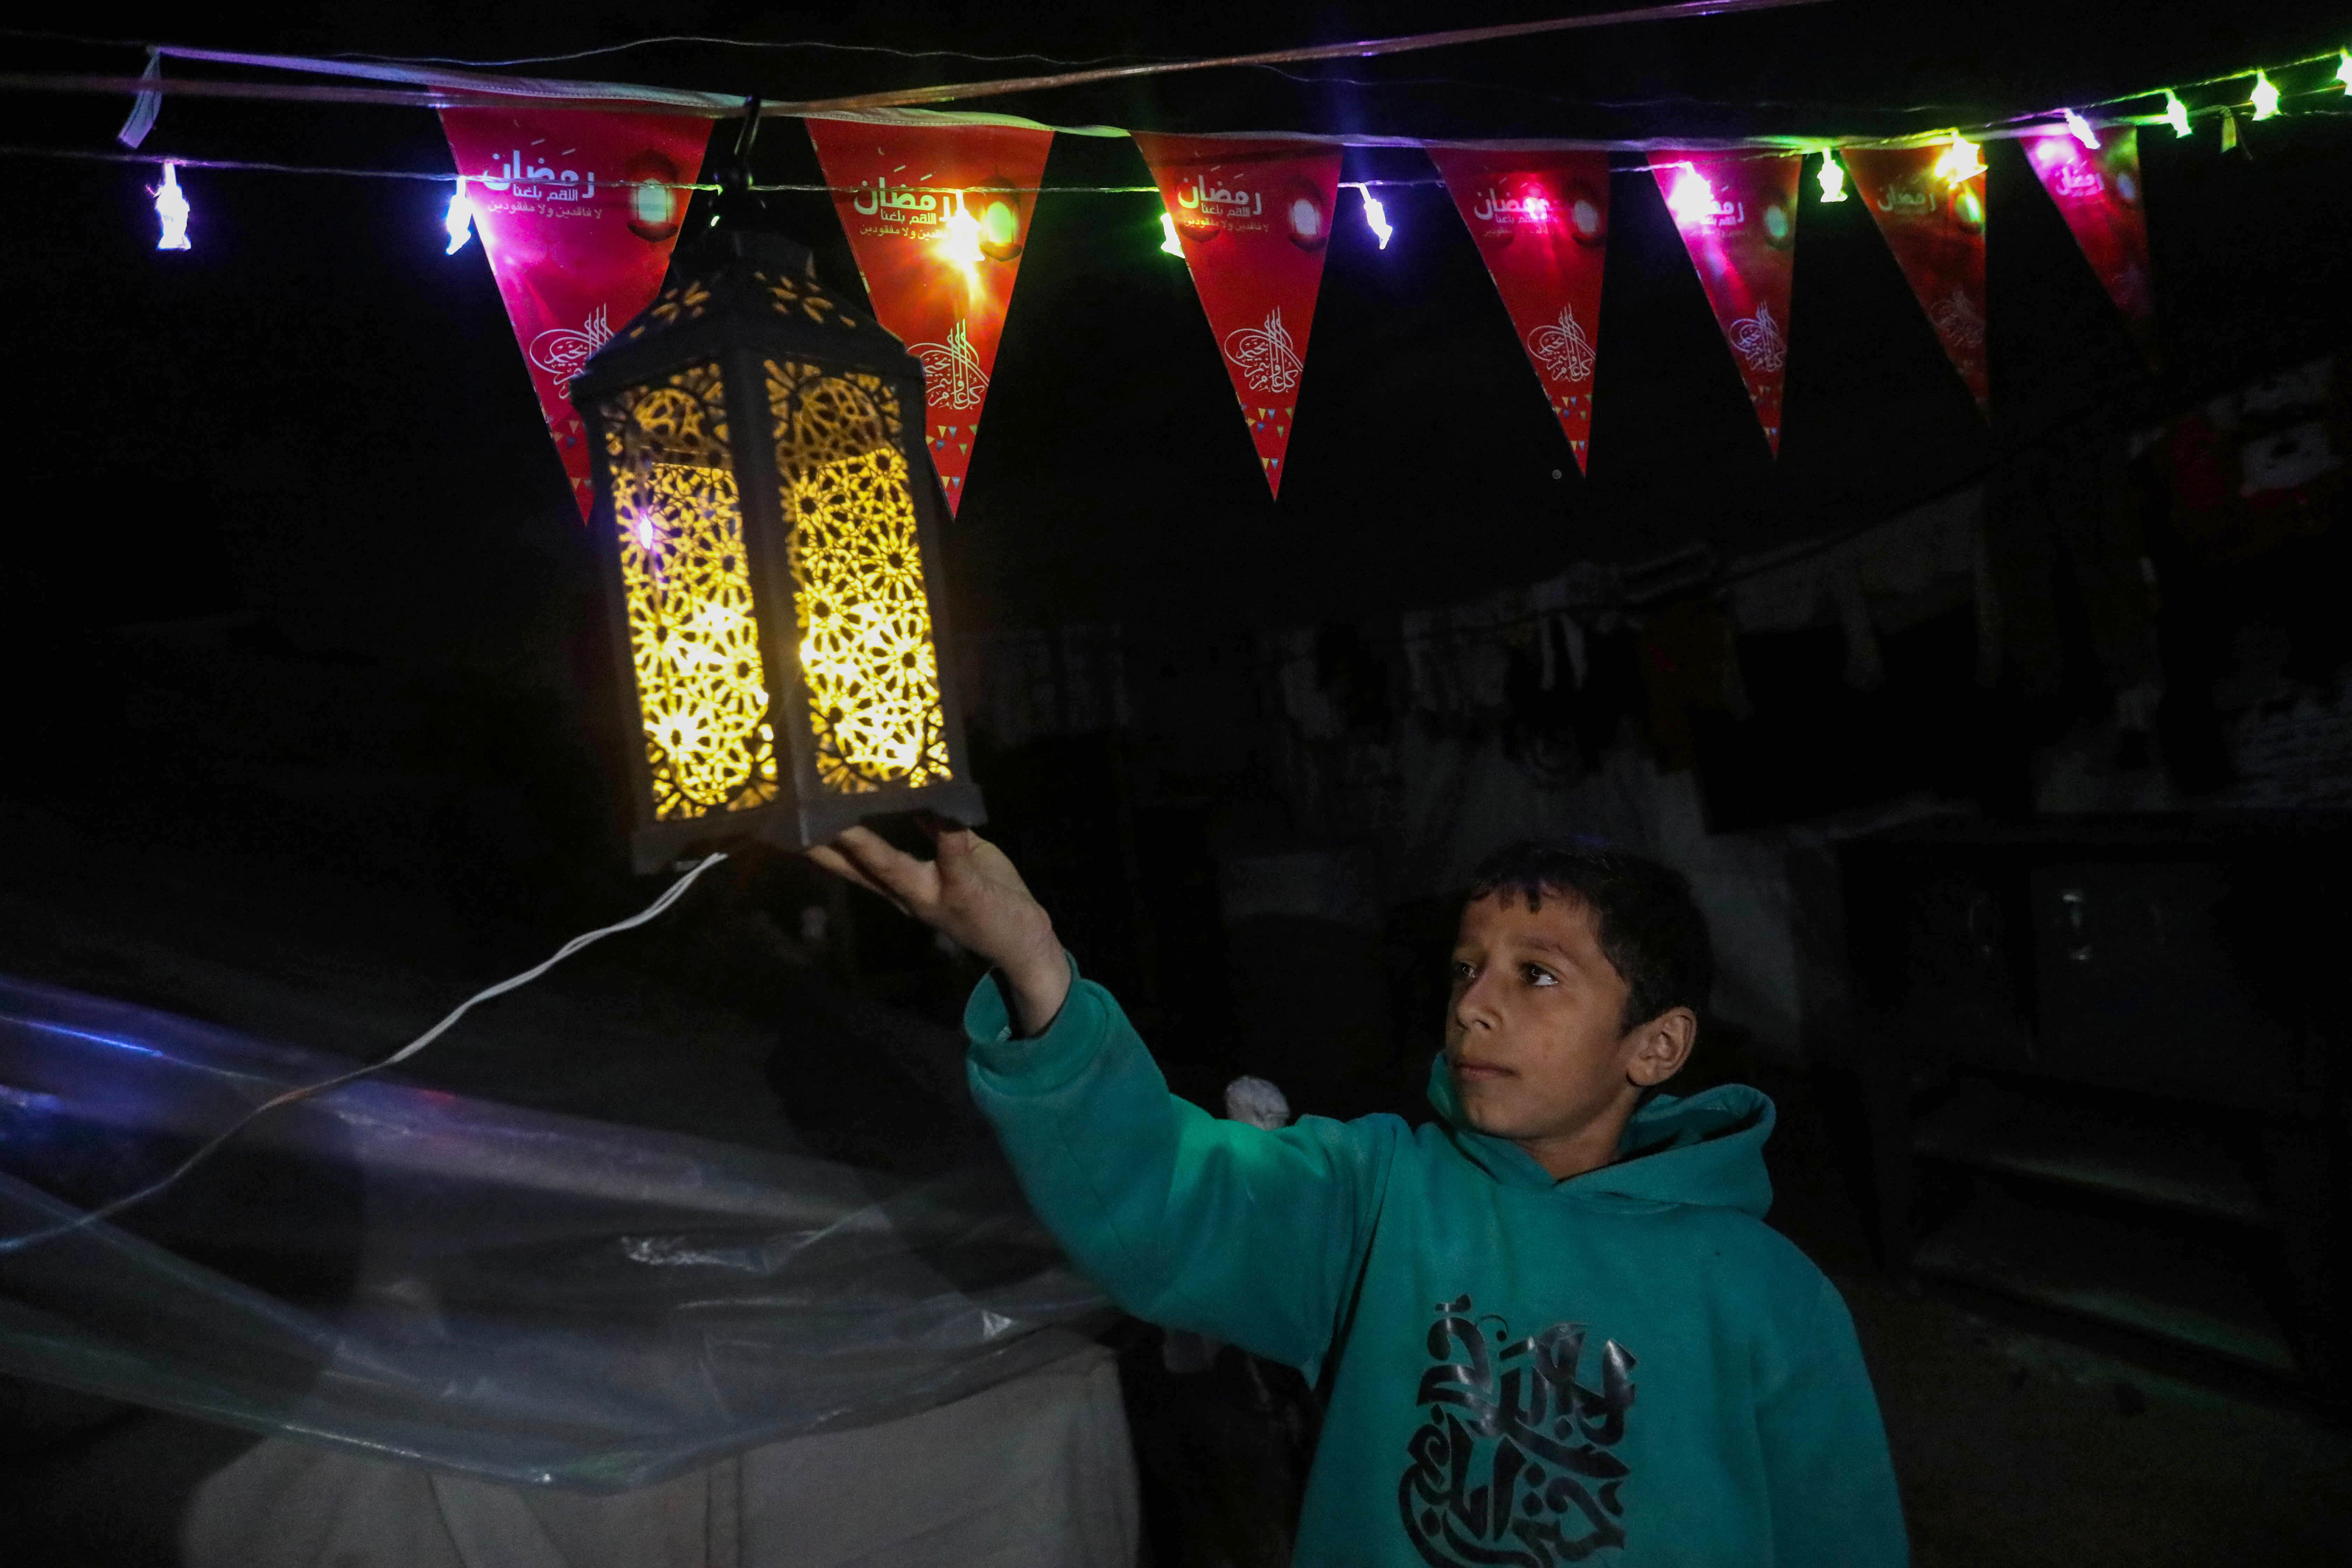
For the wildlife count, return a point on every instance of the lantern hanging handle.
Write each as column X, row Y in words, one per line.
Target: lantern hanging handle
column 512, row 983
column 738, row 205
column 749, row 132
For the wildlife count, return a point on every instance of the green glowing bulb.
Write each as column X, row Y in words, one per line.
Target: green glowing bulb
column 2344, row 71
column 2265, row 97
column 998, row 225
column 1832, row 179
column 2176, row 115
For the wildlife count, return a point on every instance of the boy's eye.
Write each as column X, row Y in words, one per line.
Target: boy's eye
column 1464, row 969
column 1537, row 974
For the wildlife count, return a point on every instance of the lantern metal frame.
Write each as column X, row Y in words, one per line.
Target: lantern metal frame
column 738, row 302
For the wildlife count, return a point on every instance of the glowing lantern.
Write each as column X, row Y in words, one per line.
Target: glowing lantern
column 2176, row 115
column 2265, row 97
column 1833, row 178
column 171, row 211
column 767, row 525
column 1376, row 216
column 1691, row 198
column 1168, row 240
column 2082, row 129
column 962, row 244
column 2344, row 69
column 1958, row 162
column 459, row 221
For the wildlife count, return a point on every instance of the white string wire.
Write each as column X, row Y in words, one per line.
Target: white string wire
column 109, row 1210
column 750, row 44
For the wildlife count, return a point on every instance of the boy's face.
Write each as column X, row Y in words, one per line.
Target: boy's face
column 1534, row 1037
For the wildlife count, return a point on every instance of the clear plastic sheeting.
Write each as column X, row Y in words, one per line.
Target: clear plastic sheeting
column 528, row 1297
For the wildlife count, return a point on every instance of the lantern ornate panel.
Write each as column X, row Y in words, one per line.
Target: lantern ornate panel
column 767, row 525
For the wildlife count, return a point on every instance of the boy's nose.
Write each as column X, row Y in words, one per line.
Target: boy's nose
column 1473, row 1008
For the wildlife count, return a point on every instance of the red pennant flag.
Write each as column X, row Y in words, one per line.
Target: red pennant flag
column 1541, row 220
column 938, row 216
column 2098, row 193
column 1254, row 218
column 577, row 215
column 1737, row 215
column 1930, row 205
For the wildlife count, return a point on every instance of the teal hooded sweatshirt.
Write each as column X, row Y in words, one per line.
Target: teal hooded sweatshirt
column 1624, row 1367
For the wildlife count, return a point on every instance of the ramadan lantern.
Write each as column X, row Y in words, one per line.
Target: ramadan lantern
column 768, row 527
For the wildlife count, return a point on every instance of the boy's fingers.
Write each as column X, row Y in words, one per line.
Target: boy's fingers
column 903, row 878
column 841, row 865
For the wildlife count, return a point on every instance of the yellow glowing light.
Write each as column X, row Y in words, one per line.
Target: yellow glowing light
column 694, row 638
column 1833, row 178
column 2176, row 115
column 866, row 652
column 962, row 244
column 1168, row 240
column 1958, row 162
column 2265, row 97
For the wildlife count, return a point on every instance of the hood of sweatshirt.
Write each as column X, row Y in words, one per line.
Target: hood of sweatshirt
column 1705, row 1148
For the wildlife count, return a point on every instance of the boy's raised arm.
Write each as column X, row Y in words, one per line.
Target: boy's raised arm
column 1184, row 1219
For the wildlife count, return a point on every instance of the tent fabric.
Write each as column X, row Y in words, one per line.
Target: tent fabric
column 527, row 1298
column 1035, row 1472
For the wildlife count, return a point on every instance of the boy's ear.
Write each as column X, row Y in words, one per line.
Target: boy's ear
column 1662, row 1046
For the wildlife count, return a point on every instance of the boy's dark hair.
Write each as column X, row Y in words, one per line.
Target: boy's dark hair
column 1650, row 926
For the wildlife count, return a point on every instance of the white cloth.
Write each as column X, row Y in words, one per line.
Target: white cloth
column 1033, row 1473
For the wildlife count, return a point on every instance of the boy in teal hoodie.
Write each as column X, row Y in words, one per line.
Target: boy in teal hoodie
column 1556, row 1326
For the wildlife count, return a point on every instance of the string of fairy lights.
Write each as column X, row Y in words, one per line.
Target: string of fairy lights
column 2259, row 98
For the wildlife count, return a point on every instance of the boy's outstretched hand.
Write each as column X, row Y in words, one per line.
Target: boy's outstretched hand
column 972, row 893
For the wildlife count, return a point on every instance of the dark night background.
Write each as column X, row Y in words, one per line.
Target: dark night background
column 305, row 625
column 315, row 414
column 315, row 421
column 304, row 457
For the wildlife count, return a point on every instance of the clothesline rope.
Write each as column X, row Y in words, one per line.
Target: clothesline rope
column 433, row 86
column 251, row 165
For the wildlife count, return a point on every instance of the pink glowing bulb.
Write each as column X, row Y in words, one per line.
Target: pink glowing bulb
column 1692, row 199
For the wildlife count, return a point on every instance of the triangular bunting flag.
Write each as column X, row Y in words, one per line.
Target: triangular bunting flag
column 1255, row 220
column 1930, row 205
column 2097, row 190
column 938, row 216
column 578, row 211
column 1541, row 221
column 1737, row 217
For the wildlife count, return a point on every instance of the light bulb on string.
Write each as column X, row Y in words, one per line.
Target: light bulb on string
column 2265, row 97
column 1832, row 177
column 1376, row 216
column 962, row 243
column 1691, row 199
column 172, row 211
column 1958, row 162
column 2082, row 129
column 2344, row 71
column 459, row 221
column 1168, row 241
column 2176, row 113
